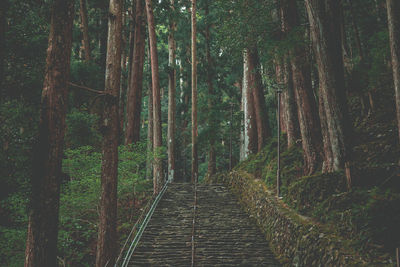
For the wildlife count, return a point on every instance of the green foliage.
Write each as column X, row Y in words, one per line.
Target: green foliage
column 78, row 204
column 264, row 164
column 372, row 216
column 87, row 73
column 258, row 161
column 362, row 213
column 12, row 246
column 306, row 192
column 380, row 55
column 18, row 128
column 82, row 129
column 25, row 49
column 243, row 23
column 80, row 196
column 291, row 167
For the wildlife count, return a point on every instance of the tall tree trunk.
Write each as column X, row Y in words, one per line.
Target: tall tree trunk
column 171, row 95
column 310, row 127
column 149, row 165
column 327, row 165
column 393, row 10
column 103, row 33
column 131, row 41
column 123, row 101
column 260, row 108
column 134, row 98
column 250, row 124
column 41, row 244
column 345, row 51
column 85, row 29
column 123, row 84
column 157, row 138
column 212, row 163
column 290, row 109
column 185, row 123
column 150, row 125
column 309, row 123
column 107, row 242
column 325, row 31
column 195, row 163
column 242, row 124
column 288, row 98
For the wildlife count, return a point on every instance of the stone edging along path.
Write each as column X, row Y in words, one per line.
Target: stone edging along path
column 295, row 239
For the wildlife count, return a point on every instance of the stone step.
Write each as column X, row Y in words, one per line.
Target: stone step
column 224, row 234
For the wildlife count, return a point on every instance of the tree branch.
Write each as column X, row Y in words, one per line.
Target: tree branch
column 89, row 89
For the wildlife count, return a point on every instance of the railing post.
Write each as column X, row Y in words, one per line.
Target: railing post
column 278, row 172
column 230, row 139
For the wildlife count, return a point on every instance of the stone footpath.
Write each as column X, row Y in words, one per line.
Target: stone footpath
column 224, row 234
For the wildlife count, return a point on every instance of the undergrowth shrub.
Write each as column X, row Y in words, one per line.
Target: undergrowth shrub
column 82, row 129
column 372, row 216
column 18, row 130
column 79, row 211
column 291, row 168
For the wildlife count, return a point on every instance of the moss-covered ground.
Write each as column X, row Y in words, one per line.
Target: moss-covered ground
column 369, row 213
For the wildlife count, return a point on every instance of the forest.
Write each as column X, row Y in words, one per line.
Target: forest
column 103, row 101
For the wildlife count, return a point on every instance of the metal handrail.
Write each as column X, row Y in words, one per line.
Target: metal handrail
column 145, row 210
column 143, row 226
column 194, row 223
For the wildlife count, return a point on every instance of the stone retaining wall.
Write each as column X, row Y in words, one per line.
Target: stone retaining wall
column 296, row 240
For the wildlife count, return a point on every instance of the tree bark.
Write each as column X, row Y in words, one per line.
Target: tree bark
column 149, row 165
column 107, row 242
column 242, row 124
column 309, row 123
column 41, row 244
column 85, row 30
column 103, row 33
column 345, row 51
column 327, row 165
column 185, row 123
column 134, row 98
column 256, row 87
column 290, row 106
column 310, row 127
column 123, row 84
column 212, row 161
column 393, row 11
column 288, row 98
column 157, row 138
column 124, row 98
column 325, row 31
column 131, row 41
column 250, row 124
column 171, row 95
column 195, row 163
